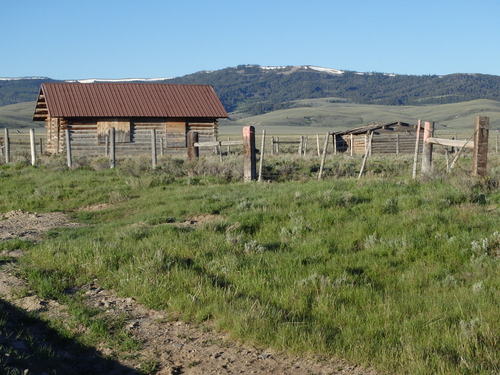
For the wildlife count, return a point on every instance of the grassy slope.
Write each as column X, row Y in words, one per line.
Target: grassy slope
column 397, row 274
column 18, row 115
column 313, row 115
column 310, row 115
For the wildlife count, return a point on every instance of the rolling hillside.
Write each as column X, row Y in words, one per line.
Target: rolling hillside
column 317, row 115
column 329, row 113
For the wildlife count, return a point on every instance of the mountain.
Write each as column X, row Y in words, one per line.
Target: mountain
column 254, row 89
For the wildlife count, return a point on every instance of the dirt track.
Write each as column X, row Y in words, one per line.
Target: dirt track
column 175, row 346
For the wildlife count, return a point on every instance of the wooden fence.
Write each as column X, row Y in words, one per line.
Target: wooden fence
column 16, row 145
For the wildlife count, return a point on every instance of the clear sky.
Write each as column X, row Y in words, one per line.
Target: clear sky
column 119, row 39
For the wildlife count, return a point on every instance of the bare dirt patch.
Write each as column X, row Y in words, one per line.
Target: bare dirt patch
column 30, row 226
column 198, row 220
column 95, row 207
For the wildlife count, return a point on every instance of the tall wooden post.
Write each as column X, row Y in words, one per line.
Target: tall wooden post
column 193, row 152
column 41, row 146
column 323, row 156
column 249, row 161
column 427, row 148
column 317, row 144
column 69, row 156
column 415, row 155
column 301, row 145
column 106, row 146
column 480, row 154
column 397, row 144
column 352, row 145
column 306, row 138
column 32, row 147
column 6, row 145
column 277, row 145
column 154, row 158
column 261, row 160
column 161, row 146
column 335, row 144
column 112, row 148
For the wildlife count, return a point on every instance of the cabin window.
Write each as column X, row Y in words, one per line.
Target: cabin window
column 122, row 131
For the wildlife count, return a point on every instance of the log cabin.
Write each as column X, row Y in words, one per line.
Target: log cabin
column 89, row 110
column 388, row 138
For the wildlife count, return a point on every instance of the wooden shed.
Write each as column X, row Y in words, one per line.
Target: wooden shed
column 89, row 110
column 388, row 138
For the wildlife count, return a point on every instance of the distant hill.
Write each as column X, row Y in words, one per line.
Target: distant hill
column 255, row 89
column 331, row 114
column 311, row 115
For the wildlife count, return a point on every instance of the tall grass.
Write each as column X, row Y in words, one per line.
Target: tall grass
column 398, row 274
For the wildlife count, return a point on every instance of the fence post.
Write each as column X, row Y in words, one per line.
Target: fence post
column 154, row 158
column 334, row 144
column 277, row 145
column 219, row 151
column 6, row 145
column 261, row 161
column 249, row 164
column 69, row 159
column 415, row 155
column 161, row 146
column 352, row 145
column 480, row 155
column 106, row 145
column 301, row 144
column 41, row 146
column 228, row 147
column 317, row 145
column 397, row 144
column 365, row 156
column 32, row 147
column 193, row 152
column 323, row 156
column 112, row 148
column 427, row 148
column 306, row 138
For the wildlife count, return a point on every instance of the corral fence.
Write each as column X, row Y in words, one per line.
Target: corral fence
column 28, row 145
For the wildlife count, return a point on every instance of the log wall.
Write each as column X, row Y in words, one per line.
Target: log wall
column 85, row 140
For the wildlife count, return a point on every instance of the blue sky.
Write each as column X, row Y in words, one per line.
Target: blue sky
column 118, row 39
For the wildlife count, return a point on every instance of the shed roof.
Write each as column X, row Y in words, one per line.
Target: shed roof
column 375, row 127
column 129, row 100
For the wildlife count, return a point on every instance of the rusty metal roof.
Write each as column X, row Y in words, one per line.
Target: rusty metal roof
column 131, row 100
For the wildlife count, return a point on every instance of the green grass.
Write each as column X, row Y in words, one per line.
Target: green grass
column 387, row 272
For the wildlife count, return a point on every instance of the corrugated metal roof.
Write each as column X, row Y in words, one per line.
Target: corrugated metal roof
column 131, row 100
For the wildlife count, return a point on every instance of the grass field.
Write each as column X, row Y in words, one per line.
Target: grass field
column 401, row 275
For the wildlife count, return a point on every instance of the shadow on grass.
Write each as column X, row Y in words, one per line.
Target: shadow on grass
column 27, row 342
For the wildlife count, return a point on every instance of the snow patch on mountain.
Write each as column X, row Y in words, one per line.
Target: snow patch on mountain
column 94, row 80
column 20, row 78
column 324, row 70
